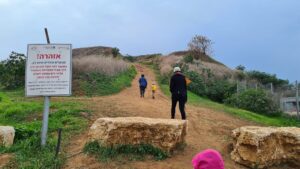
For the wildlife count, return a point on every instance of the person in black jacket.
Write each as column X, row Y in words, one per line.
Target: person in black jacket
column 178, row 89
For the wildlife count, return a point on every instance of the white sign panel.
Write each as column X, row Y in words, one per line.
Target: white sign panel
column 48, row 70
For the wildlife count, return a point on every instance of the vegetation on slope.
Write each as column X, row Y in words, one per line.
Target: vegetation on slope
column 99, row 75
column 25, row 115
column 197, row 100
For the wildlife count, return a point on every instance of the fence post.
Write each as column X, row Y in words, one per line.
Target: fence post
column 297, row 100
column 272, row 91
column 237, row 87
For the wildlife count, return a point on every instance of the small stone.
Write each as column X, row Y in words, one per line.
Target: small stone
column 7, row 134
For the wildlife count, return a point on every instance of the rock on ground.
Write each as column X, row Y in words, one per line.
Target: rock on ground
column 7, row 134
column 165, row 134
column 262, row 147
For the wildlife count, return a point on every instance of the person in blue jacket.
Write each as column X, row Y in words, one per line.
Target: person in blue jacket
column 143, row 85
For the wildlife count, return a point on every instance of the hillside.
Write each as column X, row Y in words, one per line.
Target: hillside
column 96, row 50
column 97, row 72
column 167, row 62
column 112, row 86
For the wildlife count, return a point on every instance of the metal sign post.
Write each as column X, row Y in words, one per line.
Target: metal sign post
column 48, row 73
column 46, row 108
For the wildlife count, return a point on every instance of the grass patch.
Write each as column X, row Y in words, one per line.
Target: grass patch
column 196, row 100
column 26, row 117
column 99, row 84
column 130, row 152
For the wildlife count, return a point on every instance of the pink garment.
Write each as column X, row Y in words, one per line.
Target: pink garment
column 208, row 159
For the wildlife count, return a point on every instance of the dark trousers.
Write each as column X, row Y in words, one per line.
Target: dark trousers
column 142, row 90
column 181, row 99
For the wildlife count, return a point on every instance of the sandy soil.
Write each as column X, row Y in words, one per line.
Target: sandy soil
column 5, row 159
column 206, row 128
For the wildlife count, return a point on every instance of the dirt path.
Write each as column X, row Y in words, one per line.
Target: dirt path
column 206, row 128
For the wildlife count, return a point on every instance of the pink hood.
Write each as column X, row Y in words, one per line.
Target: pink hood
column 208, row 159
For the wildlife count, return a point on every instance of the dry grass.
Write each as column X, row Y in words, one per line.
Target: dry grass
column 219, row 70
column 167, row 62
column 99, row 64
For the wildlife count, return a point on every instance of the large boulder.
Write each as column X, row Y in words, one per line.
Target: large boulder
column 262, row 147
column 7, row 134
column 165, row 134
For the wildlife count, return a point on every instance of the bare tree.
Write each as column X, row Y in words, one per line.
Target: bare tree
column 200, row 45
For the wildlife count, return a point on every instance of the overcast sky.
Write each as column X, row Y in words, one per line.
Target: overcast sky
column 259, row 34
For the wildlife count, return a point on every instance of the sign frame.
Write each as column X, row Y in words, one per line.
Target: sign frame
column 70, row 70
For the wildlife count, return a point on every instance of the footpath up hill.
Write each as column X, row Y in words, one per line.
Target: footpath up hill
column 206, row 128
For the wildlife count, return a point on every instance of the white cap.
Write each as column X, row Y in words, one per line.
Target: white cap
column 177, row 69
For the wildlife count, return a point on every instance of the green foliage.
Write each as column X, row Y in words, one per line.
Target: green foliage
column 29, row 154
column 19, row 112
column 130, row 58
column 134, row 152
column 240, row 67
column 188, row 59
column 197, row 100
column 115, row 52
column 240, row 75
column 25, row 116
column 100, row 84
column 266, row 78
column 216, row 90
column 13, row 71
column 197, row 85
column 254, row 100
column 219, row 90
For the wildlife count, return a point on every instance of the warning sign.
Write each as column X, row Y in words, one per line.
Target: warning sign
column 48, row 70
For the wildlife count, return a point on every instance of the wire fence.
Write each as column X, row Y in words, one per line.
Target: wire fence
column 286, row 97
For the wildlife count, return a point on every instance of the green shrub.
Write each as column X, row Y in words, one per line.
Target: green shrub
column 13, row 71
column 219, row 90
column 254, row 100
column 165, row 79
column 136, row 152
column 266, row 78
column 115, row 52
column 130, row 58
column 188, row 59
column 197, row 85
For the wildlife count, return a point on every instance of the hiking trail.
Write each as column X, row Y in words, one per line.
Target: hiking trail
column 207, row 128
